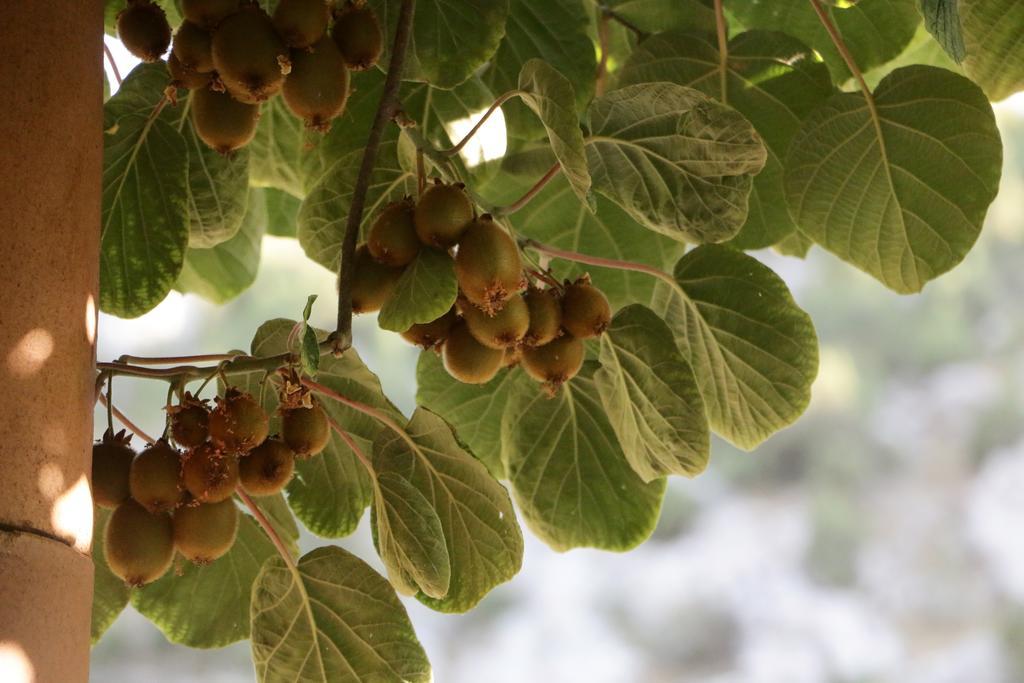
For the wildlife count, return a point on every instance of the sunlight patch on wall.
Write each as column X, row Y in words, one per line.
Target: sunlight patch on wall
column 30, row 353
column 90, row 320
column 15, row 666
column 71, row 515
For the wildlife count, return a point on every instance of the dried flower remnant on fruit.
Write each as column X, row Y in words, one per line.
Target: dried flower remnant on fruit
column 183, row 78
column 502, row 330
column 268, row 468
column 586, row 312
column 555, row 363
column 432, row 334
column 249, row 56
column 190, row 421
column 143, row 29
column 238, row 423
column 204, row 532
column 111, row 464
column 317, row 86
column 156, row 478
column 138, row 544
column 210, row 475
column 488, row 265
column 442, row 214
column 358, row 35
column 393, row 240
column 467, row 360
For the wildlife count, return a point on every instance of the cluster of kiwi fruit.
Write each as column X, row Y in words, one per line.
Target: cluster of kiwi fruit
column 232, row 56
column 499, row 320
column 176, row 495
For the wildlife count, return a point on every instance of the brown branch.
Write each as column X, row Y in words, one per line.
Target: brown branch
column 168, row 360
column 386, row 109
column 113, row 64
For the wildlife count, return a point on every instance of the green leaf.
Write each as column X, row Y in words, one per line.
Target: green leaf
column 282, row 212
column 995, row 51
column 651, row 397
column 772, row 79
column 753, row 350
column 145, row 207
column 473, row 410
column 902, row 197
column 425, row 292
column 874, row 31
column 796, row 244
column 485, row 546
column 569, row 475
column 109, row 593
column 309, row 347
column 556, row 32
column 208, row 606
column 410, row 538
column 277, row 153
column 942, row 19
column 674, row 159
column 276, row 509
column 332, row 619
column 225, row 271
column 922, row 50
column 550, row 95
column 653, row 16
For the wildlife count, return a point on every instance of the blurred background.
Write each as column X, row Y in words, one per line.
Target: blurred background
column 880, row 539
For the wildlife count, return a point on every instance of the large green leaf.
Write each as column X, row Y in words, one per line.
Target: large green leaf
column 569, row 475
column 450, row 40
column 770, row 78
column 942, row 19
column 874, row 31
column 650, row 395
column 753, row 350
column 902, row 195
column 485, row 546
column 995, row 52
column 674, row 159
column 332, row 620
column 282, row 211
column 425, row 292
column 923, row 49
column 652, row 16
column 145, row 197
column 277, row 153
column 109, row 593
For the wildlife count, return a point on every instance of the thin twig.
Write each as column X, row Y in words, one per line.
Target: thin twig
column 113, row 64
column 723, row 52
column 110, row 403
column 612, row 14
column 386, row 109
column 601, row 262
column 132, row 427
column 452, row 151
column 169, row 360
column 275, row 538
column 530, row 194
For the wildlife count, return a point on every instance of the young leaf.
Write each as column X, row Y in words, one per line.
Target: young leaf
column 332, row 619
column 651, row 397
column 902, row 195
column 309, row 346
column 942, row 19
column 995, row 51
column 425, row 292
column 770, row 78
column 145, row 221
column 674, row 159
column 550, row 95
column 485, row 546
column 753, row 350
column 410, row 538
column 109, row 592
column 569, row 475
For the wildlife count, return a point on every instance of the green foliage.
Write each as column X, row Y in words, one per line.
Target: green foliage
column 995, row 53
column 109, row 594
column 425, row 292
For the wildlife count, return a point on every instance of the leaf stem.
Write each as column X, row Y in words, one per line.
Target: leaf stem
column 840, row 44
column 275, row 538
column 723, row 52
column 353, row 446
column 376, row 414
column 386, row 109
column 530, row 194
column 113, row 64
column 132, row 427
column 502, row 99
column 612, row 14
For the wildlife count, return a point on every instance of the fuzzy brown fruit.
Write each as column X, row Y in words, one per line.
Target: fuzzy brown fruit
column 210, row 475
column 316, row 89
column 442, row 214
column 184, row 78
column 142, row 27
column 545, row 316
column 300, row 23
column 467, row 360
column 138, row 544
column 204, row 532
column 357, row 33
column 208, row 13
column 190, row 422
column 193, row 47
column 502, row 330
column 267, row 469
column 111, row 464
column 556, row 362
column 249, row 56
column 392, row 240
column 222, row 122
column 488, row 265
column 373, row 283
column 238, row 423
column 429, row 335
column 305, row 430
column 155, row 478
column 586, row 312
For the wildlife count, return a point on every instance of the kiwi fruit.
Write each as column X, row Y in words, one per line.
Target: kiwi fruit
column 393, row 239
column 267, row 469
column 138, row 544
column 142, row 27
column 238, row 423
column 155, row 478
column 193, row 46
column 467, row 360
column 316, row 89
column 208, row 13
column 442, row 214
column 501, row 330
column 204, row 532
column 249, row 56
column 545, row 316
column 305, row 430
column 111, row 463
column 222, row 122
column 300, row 23
column 373, row 283
column 556, row 362
column 184, row 78
column 357, row 34
column 190, row 422
column 429, row 335
column 586, row 312
column 210, row 475
column 488, row 265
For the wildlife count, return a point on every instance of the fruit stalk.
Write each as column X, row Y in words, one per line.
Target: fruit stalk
column 386, row 109
column 271, row 532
